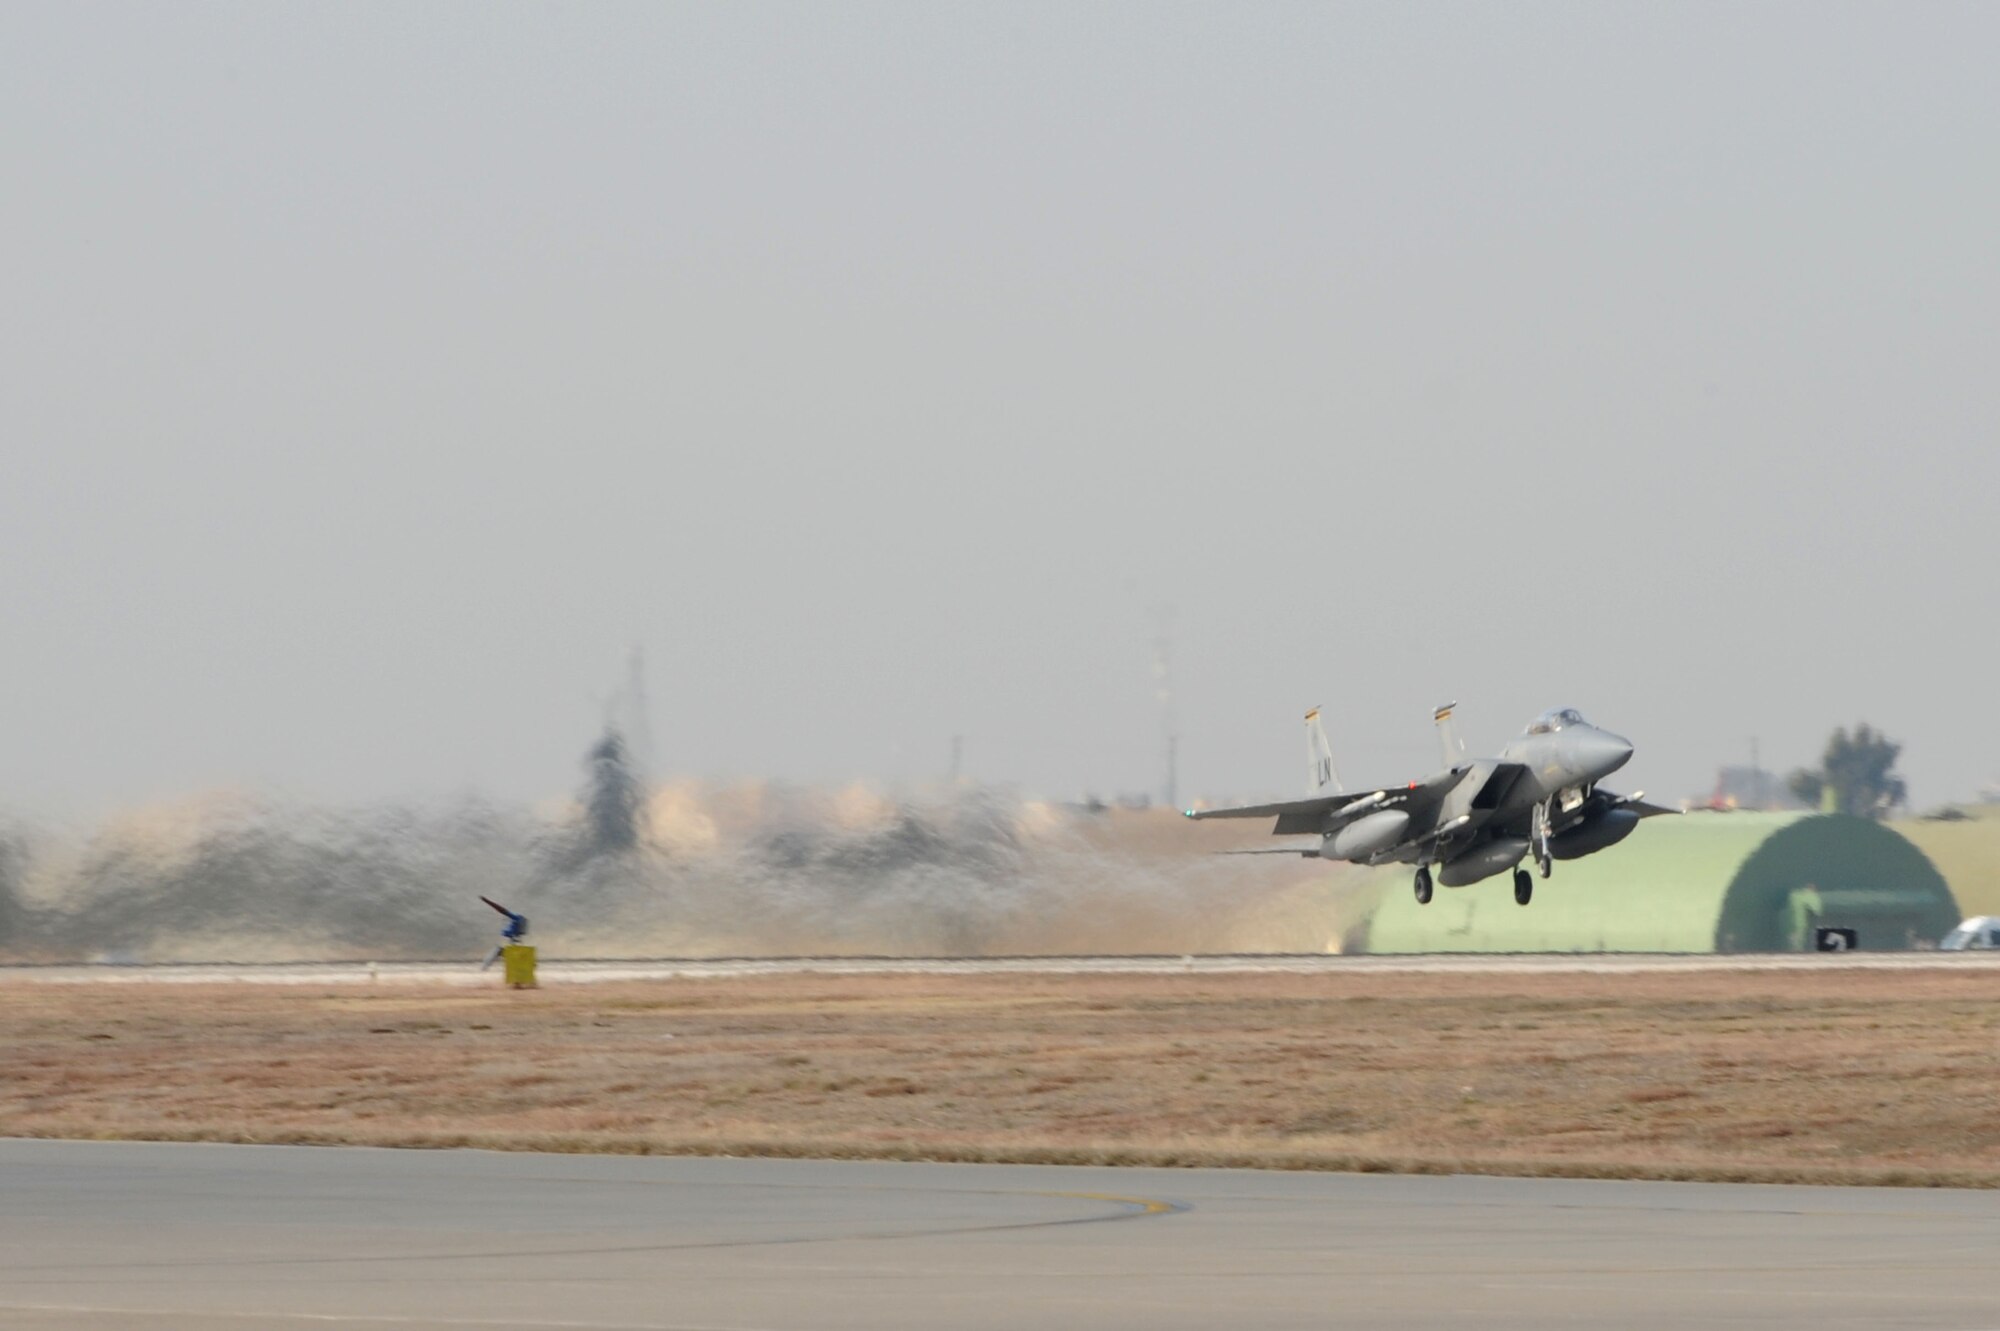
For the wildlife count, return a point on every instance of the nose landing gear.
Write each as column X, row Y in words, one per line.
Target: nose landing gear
column 1423, row 885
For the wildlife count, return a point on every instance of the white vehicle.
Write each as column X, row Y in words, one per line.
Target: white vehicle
column 1979, row 934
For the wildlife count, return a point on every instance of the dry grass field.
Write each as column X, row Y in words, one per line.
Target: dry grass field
column 1827, row 1076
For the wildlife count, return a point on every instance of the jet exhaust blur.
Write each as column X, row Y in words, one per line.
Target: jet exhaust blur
column 682, row 870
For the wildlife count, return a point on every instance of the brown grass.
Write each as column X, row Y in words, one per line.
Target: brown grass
column 1836, row 1076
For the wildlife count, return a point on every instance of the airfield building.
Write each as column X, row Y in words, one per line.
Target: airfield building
column 1703, row 882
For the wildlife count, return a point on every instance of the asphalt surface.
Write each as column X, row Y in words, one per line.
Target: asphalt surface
column 559, row 970
column 97, row 1236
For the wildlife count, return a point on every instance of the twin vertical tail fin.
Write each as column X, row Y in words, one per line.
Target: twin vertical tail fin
column 1448, row 740
column 1321, row 779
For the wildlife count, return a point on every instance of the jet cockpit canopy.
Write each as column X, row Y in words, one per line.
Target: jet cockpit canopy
column 1556, row 718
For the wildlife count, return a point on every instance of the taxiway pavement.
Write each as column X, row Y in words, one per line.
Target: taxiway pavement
column 123, row 1236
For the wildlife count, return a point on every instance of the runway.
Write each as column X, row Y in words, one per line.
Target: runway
column 122, row 1236
column 560, row 970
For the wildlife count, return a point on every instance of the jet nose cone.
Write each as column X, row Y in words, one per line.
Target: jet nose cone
column 1600, row 753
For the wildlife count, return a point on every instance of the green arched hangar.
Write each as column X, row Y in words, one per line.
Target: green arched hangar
column 1704, row 882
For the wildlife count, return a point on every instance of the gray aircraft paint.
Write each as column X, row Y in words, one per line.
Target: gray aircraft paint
column 1478, row 818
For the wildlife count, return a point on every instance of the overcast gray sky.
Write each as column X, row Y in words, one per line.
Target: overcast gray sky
column 376, row 375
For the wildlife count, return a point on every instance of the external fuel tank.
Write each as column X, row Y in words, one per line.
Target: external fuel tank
column 1366, row 835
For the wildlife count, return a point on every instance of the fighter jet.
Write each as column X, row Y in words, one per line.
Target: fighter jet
column 1539, row 799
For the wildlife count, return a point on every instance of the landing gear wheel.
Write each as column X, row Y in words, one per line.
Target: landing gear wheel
column 1538, row 838
column 1423, row 887
column 1524, row 887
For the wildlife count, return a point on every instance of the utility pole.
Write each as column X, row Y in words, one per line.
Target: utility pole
column 1163, row 660
column 626, row 713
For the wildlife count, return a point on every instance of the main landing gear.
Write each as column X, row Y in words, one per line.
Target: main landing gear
column 1524, row 887
column 1538, row 843
column 1423, row 885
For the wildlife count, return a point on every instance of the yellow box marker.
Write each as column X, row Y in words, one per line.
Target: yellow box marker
column 517, row 961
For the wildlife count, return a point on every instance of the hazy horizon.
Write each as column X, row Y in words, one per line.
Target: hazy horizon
column 379, row 376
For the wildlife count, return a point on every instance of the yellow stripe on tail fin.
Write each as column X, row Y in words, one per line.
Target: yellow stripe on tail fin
column 1449, row 743
column 1321, row 778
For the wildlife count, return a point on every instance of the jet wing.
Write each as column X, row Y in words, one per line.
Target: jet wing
column 1295, row 817
column 1319, row 804
column 1298, row 817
